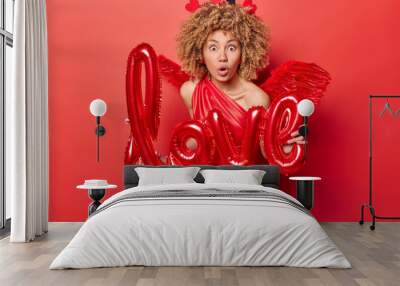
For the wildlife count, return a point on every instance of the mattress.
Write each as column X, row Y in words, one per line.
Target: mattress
column 201, row 225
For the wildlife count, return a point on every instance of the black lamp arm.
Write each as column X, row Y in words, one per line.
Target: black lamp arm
column 100, row 130
column 304, row 131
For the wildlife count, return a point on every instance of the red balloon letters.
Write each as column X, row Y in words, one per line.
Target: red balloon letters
column 266, row 130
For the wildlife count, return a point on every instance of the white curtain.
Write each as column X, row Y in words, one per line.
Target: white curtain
column 27, row 124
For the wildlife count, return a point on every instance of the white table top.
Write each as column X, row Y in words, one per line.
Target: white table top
column 85, row 187
column 305, row 178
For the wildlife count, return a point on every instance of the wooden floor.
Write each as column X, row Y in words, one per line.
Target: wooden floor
column 375, row 257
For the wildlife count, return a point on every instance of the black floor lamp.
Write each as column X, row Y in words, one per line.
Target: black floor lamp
column 370, row 206
column 98, row 108
column 305, row 108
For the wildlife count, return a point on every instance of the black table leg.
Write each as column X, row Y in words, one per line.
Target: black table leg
column 305, row 193
column 96, row 195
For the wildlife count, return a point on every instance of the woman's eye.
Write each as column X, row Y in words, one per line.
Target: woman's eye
column 212, row 48
column 232, row 48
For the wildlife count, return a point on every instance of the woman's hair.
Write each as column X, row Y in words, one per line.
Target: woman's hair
column 247, row 28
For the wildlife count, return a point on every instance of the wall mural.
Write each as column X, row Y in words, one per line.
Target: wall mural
column 241, row 114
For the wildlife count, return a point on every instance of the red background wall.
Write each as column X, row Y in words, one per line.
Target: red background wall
column 356, row 41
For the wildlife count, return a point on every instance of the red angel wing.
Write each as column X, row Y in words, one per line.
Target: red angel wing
column 303, row 80
column 172, row 71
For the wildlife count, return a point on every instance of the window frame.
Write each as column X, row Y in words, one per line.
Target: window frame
column 6, row 39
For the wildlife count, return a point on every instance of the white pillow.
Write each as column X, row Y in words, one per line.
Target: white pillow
column 163, row 176
column 249, row 177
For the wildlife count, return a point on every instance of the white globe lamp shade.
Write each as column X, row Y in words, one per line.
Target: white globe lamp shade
column 305, row 107
column 98, row 107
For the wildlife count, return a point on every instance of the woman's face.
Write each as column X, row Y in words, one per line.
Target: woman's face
column 222, row 54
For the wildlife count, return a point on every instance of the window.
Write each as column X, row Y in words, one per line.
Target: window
column 6, row 60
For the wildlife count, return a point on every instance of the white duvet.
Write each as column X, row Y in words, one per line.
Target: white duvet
column 200, row 231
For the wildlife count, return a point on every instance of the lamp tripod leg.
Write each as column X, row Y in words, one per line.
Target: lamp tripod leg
column 361, row 222
column 372, row 227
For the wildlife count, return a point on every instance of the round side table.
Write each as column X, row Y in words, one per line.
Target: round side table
column 96, row 193
column 305, row 190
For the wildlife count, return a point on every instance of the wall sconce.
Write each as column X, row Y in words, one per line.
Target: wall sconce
column 305, row 108
column 98, row 108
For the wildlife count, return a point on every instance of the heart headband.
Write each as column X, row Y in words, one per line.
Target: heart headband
column 193, row 5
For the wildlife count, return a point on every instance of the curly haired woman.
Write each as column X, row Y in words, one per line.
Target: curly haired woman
column 222, row 46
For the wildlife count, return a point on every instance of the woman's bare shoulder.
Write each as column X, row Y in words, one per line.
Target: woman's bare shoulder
column 257, row 96
column 188, row 87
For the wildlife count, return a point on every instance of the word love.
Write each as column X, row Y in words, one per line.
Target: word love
column 266, row 130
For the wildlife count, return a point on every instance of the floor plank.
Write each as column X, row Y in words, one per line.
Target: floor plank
column 375, row 257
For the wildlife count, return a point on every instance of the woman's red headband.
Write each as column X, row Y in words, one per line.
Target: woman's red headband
column 248, row 5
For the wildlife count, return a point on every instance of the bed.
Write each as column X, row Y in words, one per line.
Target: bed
column 201, row 224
